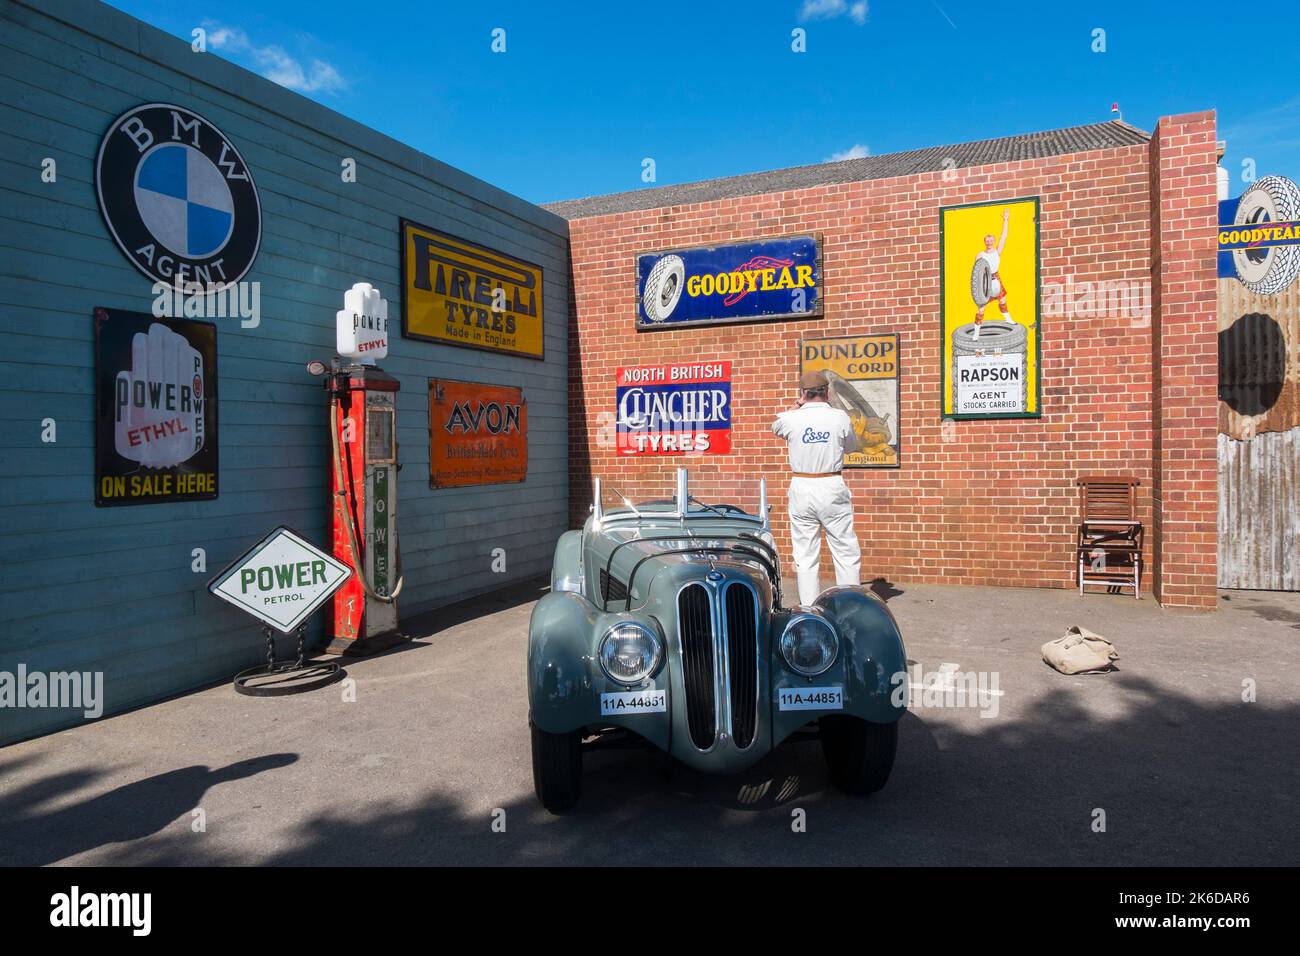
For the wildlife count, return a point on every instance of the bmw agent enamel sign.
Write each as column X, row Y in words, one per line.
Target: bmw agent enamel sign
column 178, row 198
column 747, row 281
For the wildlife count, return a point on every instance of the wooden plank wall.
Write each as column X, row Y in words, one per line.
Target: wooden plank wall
column 112, row 589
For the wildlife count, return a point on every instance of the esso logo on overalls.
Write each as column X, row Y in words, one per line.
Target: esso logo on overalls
column 811, row 437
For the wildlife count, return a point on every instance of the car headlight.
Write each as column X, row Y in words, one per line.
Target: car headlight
column 809, row 645
column 629, row 653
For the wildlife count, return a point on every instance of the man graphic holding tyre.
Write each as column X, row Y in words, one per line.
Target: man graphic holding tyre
column 986, row 279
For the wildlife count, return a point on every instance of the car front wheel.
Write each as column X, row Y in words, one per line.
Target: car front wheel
column 859, row 753
column 557, row 768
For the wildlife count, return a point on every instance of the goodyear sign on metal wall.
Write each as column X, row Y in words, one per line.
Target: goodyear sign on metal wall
column 674, row 409
column 1259, row 236
column 460, row 293
column 764, row 279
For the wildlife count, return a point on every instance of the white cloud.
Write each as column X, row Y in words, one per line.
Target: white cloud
column 830, row 9
column 274, row 62
column 856, row 151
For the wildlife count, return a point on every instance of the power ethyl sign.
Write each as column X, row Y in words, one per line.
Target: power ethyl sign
column 281, row 580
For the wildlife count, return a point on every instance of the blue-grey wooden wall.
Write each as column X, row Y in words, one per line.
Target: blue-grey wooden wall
column 112, row 589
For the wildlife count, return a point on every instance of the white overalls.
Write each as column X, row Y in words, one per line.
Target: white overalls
column 818, row 436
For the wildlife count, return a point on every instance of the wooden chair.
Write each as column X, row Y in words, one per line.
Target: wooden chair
column 1109, row 528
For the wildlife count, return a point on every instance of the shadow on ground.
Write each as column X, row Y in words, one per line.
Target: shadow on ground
column 1181, row 782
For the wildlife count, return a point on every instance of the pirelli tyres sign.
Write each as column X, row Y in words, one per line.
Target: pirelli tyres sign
column 460, row 293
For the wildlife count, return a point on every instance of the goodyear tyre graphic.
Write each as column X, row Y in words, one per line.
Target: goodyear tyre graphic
column 1268, row 271
column 663, row 288
column 981, row 282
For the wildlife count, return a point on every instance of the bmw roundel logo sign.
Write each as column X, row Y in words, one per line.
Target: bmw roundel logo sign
column 178, row 198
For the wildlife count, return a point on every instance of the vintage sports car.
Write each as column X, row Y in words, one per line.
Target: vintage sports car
column 665, row 625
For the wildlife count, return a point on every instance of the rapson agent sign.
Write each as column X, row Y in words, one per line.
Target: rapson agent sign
column 764, row 279
column 674, row 409
column 989, row 310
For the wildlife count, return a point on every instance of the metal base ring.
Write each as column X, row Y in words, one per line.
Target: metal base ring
column 286, row 677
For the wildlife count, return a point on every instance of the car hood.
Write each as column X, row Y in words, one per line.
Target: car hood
column 633, row 558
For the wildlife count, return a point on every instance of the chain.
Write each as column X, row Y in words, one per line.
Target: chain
column 302, row 636
column 270, row 648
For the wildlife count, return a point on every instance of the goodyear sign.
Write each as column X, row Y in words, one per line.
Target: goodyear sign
column 765, row 279
column 460, row 293
column 674, row 409
column 1259, row 236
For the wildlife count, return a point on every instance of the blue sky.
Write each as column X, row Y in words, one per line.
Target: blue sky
column 585, row 91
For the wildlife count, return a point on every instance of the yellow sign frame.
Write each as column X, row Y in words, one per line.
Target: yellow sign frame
column 459, row 305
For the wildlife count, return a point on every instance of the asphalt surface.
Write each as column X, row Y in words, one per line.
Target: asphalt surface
column 435, row 749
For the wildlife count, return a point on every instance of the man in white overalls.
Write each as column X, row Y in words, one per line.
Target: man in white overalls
column 818, row 437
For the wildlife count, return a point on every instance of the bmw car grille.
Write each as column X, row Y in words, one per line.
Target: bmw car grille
column 705, row 649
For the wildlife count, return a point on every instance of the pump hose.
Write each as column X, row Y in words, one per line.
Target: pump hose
column 348, row 520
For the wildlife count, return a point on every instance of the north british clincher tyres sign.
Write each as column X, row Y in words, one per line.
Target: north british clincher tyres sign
column 677, row 409
column 155, row 409
column 763, row 279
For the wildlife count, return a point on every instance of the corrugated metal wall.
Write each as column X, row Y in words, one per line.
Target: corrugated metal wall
column 112, row 589
column 1259, row 438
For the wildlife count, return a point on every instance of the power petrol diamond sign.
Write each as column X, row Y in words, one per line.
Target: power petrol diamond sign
column 674, row 409
column 281, row 580
column 762, row 279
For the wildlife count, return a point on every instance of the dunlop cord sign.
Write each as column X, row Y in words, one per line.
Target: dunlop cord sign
column 863, row 373
column 989, row 310
column 460, row 293
column 478, row 434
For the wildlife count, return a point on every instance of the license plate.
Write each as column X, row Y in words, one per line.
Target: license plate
column 634, row 702
column 810, row 698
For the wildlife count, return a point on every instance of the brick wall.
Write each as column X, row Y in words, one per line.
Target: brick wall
column 1185, row 360
column 975, row 502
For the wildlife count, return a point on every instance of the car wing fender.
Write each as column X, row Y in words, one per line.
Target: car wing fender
column 566, row 569
column 874, row 658
column 560, row 635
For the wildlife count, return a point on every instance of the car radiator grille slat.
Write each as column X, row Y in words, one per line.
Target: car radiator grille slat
column 742, row 659
column 696, row 629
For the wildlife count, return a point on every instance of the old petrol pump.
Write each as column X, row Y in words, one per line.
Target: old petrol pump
column 363, row 476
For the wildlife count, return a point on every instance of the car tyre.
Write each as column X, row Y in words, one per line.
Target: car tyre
column 557, row 768
column 859, row 753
